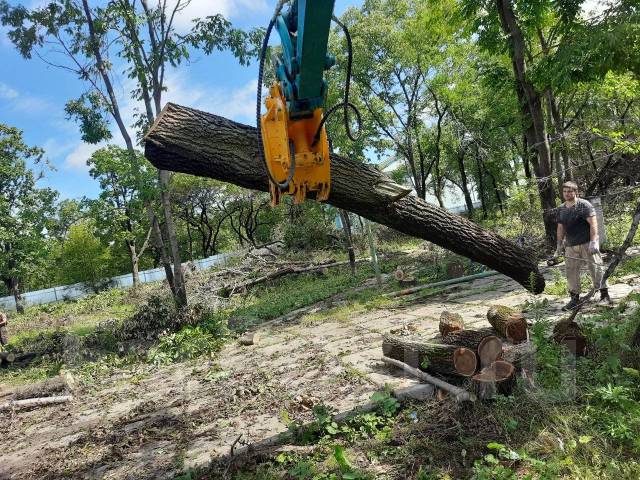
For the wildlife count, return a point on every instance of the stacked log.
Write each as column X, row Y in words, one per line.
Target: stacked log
column 483, row 341
column 431, row 357
column 476, row 354
column 508, row 323
column 450, row 322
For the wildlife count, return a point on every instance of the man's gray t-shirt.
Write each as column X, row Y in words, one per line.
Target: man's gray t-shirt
column 574, row 220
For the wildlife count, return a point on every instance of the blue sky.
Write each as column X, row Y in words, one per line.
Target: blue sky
column 33, row 94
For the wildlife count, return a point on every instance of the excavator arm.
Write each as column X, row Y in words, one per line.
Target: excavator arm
column 294, row 139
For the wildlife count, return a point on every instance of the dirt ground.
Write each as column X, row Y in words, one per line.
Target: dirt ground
column 152, row 423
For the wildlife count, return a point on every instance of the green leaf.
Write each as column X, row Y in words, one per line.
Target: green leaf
column 585, row 439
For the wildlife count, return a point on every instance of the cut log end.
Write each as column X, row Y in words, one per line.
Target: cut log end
column 516, row 330
column 489, row 350
column 498, row 378
column 465, row 361
column 508, row 323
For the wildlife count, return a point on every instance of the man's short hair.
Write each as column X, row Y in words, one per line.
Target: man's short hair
column 572, row 185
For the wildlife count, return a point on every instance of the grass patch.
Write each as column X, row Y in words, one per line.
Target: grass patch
column 290, row 293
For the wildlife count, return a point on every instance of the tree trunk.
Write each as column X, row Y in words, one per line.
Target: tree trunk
column 481, row 189
column 198, row 143
column 468, row 338
column 482, row 341
column 346, row 226
column 178, row 278
column 463, row 185
column 533, row 115
column 431, row 357
column 14, row 288
column 134, row 263
column 498, row 378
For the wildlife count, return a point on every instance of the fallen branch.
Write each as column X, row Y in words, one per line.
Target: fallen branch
column 460, row 394
column 34, row 402
column 444, row 283
column 229, row 290
column 48, row 387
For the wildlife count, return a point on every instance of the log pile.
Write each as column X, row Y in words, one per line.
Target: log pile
column 488, row 358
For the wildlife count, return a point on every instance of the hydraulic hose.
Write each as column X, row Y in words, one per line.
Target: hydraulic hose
column 346, row 104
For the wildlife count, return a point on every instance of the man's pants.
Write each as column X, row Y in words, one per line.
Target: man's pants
column 576, row 258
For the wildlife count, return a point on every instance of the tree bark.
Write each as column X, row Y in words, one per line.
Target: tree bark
column 431, row 357
column 463, row 183
column 180, row 293
column 348, row 238
column 450, row 322
column 14, row 288
column 468, row 338
column 199, row 143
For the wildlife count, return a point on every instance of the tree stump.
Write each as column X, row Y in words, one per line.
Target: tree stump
column 450, row 322
column 497, row 378
column 431, row 357
column 508, row 323
column 569, row 334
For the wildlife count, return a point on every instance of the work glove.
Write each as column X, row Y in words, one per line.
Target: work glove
column 560, row 249
column 594, row 247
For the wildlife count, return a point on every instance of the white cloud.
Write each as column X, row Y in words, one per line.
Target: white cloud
column 77, row 158
column 204, row 8
column 25, row 103
column 236, row 104
column 6, row 92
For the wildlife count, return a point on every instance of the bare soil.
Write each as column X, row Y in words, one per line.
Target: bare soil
column 153, row 423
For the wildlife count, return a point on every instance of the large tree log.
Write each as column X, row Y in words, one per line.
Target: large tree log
column 509, row 323
column 431, row 357
column 199, row 143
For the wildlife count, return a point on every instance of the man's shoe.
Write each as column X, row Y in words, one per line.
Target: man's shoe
column 575, row 301
column 605, row 299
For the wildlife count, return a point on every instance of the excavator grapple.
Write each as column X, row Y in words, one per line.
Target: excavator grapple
column 290, row 151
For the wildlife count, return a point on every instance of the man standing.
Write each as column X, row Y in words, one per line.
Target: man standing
column 579, row 242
